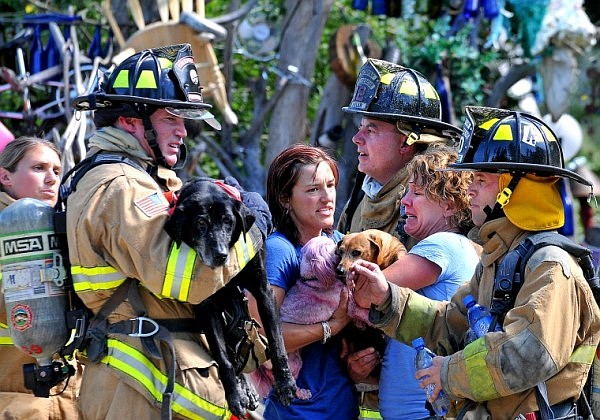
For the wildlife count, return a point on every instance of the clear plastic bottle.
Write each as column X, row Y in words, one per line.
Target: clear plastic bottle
column 479, row 316
column 423, row 360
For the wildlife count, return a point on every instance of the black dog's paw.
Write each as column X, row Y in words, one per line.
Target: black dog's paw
column 285, row 388
column 243, row 399
column 237, row 404
column 250, row 392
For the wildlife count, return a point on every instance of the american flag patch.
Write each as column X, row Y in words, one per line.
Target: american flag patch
column 152, row 205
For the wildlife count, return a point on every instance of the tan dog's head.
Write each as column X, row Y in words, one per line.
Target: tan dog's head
column 372, row 245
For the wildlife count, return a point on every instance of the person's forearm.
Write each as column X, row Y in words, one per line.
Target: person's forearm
column 296, row 336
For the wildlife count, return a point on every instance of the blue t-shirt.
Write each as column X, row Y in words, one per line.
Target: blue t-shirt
column 322, row 372
column 400, row 396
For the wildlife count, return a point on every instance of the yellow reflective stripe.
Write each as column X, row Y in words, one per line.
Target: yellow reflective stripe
column 244, row 249
column 478, row 375
column 504, row 133
column 122, row 79
column 387, row 78
column 146, row 80
column 133, row 363
column 549, row 134
column 417, row 317
column 409, row 87
column 486, row 125
column 95, row 278
column 180, row 268
column 583, row 354
column 366, row 413
column 430, row 92
column 5, row 339
column 165, row 63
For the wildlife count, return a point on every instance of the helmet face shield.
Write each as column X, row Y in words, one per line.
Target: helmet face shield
column 195, row 114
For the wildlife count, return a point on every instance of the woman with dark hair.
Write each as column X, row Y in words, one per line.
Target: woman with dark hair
column 301, row 193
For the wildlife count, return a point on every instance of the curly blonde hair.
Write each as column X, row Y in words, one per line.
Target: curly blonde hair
column 426, row 171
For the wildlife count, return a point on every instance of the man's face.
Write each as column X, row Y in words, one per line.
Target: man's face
column 483, row 192
column 381, row 149
column 170, row 132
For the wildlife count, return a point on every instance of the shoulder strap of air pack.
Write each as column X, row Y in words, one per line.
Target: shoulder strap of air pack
column 511, row 270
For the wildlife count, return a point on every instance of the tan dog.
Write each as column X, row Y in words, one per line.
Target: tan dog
column 372, row 245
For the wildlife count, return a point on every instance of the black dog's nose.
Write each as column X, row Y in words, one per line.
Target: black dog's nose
column 340, row 273
column 220, row 259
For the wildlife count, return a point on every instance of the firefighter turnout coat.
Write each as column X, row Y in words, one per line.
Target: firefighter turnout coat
column 550, row 335
column 381, row 212
column 115, row 220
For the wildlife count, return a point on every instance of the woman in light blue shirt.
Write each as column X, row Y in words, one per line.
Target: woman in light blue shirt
column 438, row 216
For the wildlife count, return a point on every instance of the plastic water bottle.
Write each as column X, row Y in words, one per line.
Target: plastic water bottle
column 479, row 316
column 423, row 360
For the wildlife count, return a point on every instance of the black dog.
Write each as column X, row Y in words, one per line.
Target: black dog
column 210, row 221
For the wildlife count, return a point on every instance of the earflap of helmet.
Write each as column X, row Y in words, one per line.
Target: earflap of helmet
column 535, row 203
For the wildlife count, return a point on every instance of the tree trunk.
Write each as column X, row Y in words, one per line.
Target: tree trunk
column 330, row 119
column 303, row 29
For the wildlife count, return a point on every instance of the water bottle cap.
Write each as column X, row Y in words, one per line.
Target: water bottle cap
column 418, row 342
column 468, row 300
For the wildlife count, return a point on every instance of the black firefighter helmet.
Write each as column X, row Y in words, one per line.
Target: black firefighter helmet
column 164, row 77
column 527, row 154
column 401, row 96
column 500, row 140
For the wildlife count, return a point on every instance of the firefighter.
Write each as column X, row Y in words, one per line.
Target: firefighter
column 125, row 267
column 400, row 114
column 550, row 334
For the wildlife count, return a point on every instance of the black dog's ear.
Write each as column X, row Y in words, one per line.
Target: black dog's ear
column 174, row 225
column 243, row 220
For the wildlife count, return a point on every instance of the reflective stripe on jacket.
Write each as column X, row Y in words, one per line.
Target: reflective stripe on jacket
column 180, row 268
column 133, row 363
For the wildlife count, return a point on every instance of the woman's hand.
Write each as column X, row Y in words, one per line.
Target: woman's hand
column 340, row 318
column 368, row 283
column 360, row 364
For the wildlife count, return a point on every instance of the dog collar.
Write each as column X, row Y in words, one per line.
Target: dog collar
column 230, row 190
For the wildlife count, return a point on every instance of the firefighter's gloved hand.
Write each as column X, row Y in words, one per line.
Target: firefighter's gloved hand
column 256, row 204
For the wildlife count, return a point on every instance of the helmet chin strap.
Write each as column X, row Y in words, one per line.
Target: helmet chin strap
column 150, row 134
column 502, row 199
